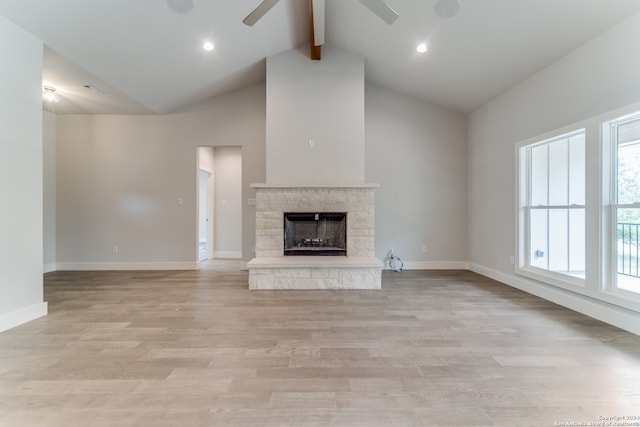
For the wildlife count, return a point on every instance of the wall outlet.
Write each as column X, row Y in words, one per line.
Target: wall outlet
column 180, row 201
column 114, row 249
column 424, row 249
column 512, row 260
column 312, row 143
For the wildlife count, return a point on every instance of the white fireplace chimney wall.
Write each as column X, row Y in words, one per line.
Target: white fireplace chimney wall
column 315, row 163
column 319, row 101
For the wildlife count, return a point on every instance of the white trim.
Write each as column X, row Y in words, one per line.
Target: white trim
column 48, row 268
column 435, row 265
column 597, row 309
column 343, row 185
column 23, row 315
column 227, row 254
column 549, row 277
column 104, row 266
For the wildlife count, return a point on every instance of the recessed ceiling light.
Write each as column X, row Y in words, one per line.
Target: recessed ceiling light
column 422, row 48
column 208, row 46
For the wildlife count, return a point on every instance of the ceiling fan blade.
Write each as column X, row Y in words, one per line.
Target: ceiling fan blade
column 383, row 10
column 259, row 12
column 318, row 22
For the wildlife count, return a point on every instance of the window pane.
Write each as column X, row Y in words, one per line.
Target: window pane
column 628, row 249
column 559, row 172
column 629, row 131
column 577, row 244
column 627, row 229
column 538, row 178
column 629, row 173
column 538, row 238
column 559, row 240
column 576, row 170
column 556, row 183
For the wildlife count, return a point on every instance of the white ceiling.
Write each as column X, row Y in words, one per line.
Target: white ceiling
column 145, row 58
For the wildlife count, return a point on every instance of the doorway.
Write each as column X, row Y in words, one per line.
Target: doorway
column 219, row 203
column 205, row 214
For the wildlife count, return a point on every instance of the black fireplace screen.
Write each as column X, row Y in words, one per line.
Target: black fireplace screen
column 323, row 233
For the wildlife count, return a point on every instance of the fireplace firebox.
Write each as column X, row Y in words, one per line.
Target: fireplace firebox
column 315, row 233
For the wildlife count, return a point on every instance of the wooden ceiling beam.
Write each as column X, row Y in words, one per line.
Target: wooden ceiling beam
column 315, row 51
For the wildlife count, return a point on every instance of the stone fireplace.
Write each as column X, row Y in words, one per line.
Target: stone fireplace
column 351, row 206
column 315, row 164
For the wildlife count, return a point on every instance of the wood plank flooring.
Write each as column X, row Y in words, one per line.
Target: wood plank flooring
column 197, row 348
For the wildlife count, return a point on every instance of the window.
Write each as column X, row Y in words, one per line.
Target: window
column 624, row 218
column 552, row 201
column 578, row 208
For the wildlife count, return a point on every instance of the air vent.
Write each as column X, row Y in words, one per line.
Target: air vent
column 92, row 88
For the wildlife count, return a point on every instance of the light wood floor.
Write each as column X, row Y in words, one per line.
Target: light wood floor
column 197, row 348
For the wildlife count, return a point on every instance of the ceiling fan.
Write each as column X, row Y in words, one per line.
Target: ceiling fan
column 379, row 7
column 443, row 8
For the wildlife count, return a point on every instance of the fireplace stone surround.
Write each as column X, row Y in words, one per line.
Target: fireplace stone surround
column 359, row 269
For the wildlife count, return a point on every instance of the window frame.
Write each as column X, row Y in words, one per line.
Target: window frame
column 523, row 265
column 609, row 222
column 598, row 214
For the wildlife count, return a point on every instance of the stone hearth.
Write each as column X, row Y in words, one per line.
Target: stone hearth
column 270, row 269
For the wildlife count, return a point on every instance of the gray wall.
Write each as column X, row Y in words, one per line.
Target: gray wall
column 602, row 75
column 21, row 165
column 417, row 153
column 228, row 202
column 49, row 182
column 120, row 177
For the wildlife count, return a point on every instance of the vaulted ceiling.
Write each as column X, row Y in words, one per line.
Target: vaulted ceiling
column 141, row 57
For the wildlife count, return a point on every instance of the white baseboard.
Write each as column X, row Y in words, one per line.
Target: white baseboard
column 23, row 315
column 227, row 254
column 614, row 315
column 48, row 268
column 433, row 265
column 109, row 266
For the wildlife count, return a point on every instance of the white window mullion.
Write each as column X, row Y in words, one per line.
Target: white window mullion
column 568, row 202
column 548, row 248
